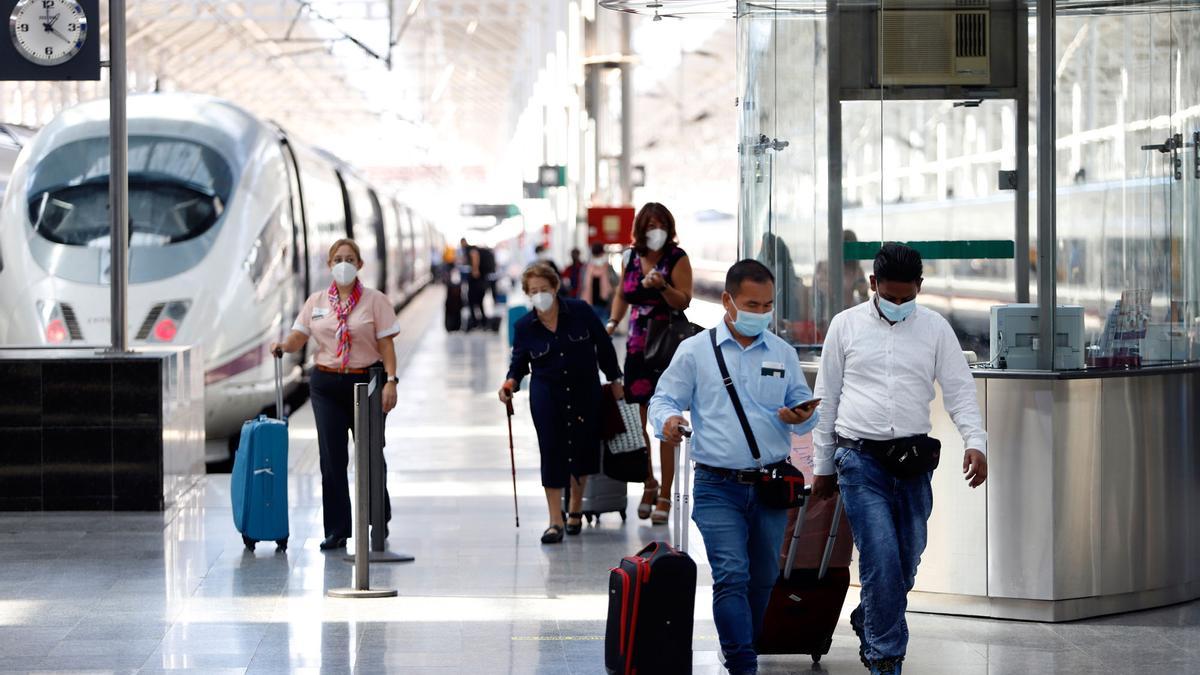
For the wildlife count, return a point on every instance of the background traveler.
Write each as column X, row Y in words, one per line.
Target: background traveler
column 876, row 380
column 599, row 282
column 741, row 534
column 563, row 344
column 353, row 327
column 657, row 279
column 572, row 274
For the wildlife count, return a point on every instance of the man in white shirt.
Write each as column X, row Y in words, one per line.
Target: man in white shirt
column 878, row 367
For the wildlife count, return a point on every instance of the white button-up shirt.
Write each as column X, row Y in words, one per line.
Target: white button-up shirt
column 876, row 380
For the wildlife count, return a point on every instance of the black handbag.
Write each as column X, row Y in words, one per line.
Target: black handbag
column 780, row 485
column 663, row 338
column 628, row 467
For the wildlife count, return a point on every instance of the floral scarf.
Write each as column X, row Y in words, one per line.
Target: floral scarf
column 343, row 310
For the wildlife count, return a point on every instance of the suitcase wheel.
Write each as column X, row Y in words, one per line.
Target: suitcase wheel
column 593, row 518
column 623, row 516
column 816, row 659
column 281, row 545
column 249, row 543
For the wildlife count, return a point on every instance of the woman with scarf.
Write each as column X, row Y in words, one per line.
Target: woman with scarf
column 353, row 327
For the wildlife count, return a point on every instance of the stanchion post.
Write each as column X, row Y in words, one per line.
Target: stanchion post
column 362, row 459
column 377, row 476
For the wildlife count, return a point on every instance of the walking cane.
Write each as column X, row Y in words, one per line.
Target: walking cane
column 512, row 458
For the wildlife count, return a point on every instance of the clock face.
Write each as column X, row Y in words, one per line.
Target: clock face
column 48, row 32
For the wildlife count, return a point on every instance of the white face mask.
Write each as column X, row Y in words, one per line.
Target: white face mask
column 656, row 239
column 344, row 273
column 542, row 301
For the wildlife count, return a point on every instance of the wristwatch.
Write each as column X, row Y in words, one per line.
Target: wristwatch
column 391, row 379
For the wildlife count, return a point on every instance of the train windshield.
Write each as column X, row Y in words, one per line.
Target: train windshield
column 177, row 191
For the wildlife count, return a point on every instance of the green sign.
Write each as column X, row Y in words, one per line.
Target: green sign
column 1002, row 249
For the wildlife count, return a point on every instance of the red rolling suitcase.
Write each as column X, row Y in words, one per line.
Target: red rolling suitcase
column 806, row 603
column 652, row 598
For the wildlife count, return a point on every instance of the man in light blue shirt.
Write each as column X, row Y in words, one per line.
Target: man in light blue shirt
column 742, row 536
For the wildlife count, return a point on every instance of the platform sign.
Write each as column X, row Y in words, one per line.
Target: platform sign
column 50, row 40
column 610, row 225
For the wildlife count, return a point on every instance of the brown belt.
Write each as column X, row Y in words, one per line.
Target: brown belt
column 341, row 371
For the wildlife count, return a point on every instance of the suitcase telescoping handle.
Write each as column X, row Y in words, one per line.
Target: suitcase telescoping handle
column 682, row 489
column 833, row 533
column 279, row 386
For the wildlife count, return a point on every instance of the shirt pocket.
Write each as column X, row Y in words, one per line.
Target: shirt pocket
column 579, row 339
column 771, row 391
column 538, row 351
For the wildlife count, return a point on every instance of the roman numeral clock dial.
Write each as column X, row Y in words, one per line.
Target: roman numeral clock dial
column 48, row 32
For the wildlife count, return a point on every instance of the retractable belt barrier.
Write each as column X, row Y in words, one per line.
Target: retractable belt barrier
column 370, row 481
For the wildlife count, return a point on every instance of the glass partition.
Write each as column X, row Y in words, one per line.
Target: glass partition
column 933, row 120
column 1128, row 176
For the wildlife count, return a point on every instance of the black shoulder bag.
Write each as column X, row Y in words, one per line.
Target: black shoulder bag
column 663, row 337
column 781, row 485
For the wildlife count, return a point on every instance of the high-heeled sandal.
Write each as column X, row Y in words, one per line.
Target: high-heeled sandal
column 647, row 504
column 661, row 515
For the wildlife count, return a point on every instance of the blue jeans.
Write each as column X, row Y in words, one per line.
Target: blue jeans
column 888, row 516
column 742, row 539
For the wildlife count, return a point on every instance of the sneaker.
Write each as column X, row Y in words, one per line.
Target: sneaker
column 889, row 666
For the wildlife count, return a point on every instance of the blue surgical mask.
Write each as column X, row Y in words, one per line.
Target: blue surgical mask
column 893, row 312
column 751, row 324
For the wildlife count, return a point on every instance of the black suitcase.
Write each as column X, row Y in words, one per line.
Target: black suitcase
column 805, row 604
column 454, row 307
column 652, row 598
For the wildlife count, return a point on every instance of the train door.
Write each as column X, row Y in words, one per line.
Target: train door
column 406, row 230
column 361, row 227
column 300, row 253
column 391, row 237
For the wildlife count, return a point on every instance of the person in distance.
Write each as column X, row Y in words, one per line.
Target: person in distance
column 353, row 327
column 741, row 533
column 878, row 367
column 563, row 344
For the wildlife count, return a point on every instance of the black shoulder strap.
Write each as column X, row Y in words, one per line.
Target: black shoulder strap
column 733, row 397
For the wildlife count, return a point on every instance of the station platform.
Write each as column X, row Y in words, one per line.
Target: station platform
column 118, row 592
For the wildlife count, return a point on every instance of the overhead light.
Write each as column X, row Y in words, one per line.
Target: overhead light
column 472, row 26
column 443, row 82
column 412, row 8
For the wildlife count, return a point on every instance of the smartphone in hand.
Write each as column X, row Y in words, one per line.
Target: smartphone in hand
column 807, row 406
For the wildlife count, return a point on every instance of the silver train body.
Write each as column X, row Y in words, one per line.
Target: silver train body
column 231, row 222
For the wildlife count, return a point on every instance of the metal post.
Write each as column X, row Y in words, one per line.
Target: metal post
column 1047, row 179
column 377, row 475
column 362, row 463
column 118, row 178
column 1022, row 234
column 833, row 293
column 626, row 161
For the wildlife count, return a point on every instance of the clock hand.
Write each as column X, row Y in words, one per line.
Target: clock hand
column 64, row 38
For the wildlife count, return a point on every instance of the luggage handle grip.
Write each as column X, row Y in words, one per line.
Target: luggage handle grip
column 279, row 386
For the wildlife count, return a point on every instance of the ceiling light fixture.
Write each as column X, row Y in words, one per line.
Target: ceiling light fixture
column 472, row 26
column 412, row 9
column 443, row 82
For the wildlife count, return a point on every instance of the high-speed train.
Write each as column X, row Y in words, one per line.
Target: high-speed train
column 1113, row 236
column 230, row 224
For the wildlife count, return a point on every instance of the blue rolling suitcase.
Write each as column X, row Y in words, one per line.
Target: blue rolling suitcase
column 258, row 486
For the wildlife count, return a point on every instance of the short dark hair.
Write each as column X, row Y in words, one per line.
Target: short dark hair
column 746, row 270
column 897, row 262
column 597, row 248
column 655, row 211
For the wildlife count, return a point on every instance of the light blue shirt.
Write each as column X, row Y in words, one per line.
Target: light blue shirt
column 767, row 377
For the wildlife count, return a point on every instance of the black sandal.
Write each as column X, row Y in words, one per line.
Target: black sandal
column 577, row 527
column 552, row 535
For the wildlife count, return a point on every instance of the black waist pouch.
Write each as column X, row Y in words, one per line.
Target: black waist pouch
column 781, row 486
column 907, row 458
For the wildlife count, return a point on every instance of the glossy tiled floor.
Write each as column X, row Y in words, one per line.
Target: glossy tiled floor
column 151, row 592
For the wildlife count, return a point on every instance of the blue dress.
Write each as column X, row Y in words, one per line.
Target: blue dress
column 564, row 390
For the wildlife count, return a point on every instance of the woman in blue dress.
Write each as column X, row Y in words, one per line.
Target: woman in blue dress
column 563, row 344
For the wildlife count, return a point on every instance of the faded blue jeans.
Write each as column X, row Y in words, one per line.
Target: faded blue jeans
column 742, row 539
column 888, row 516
